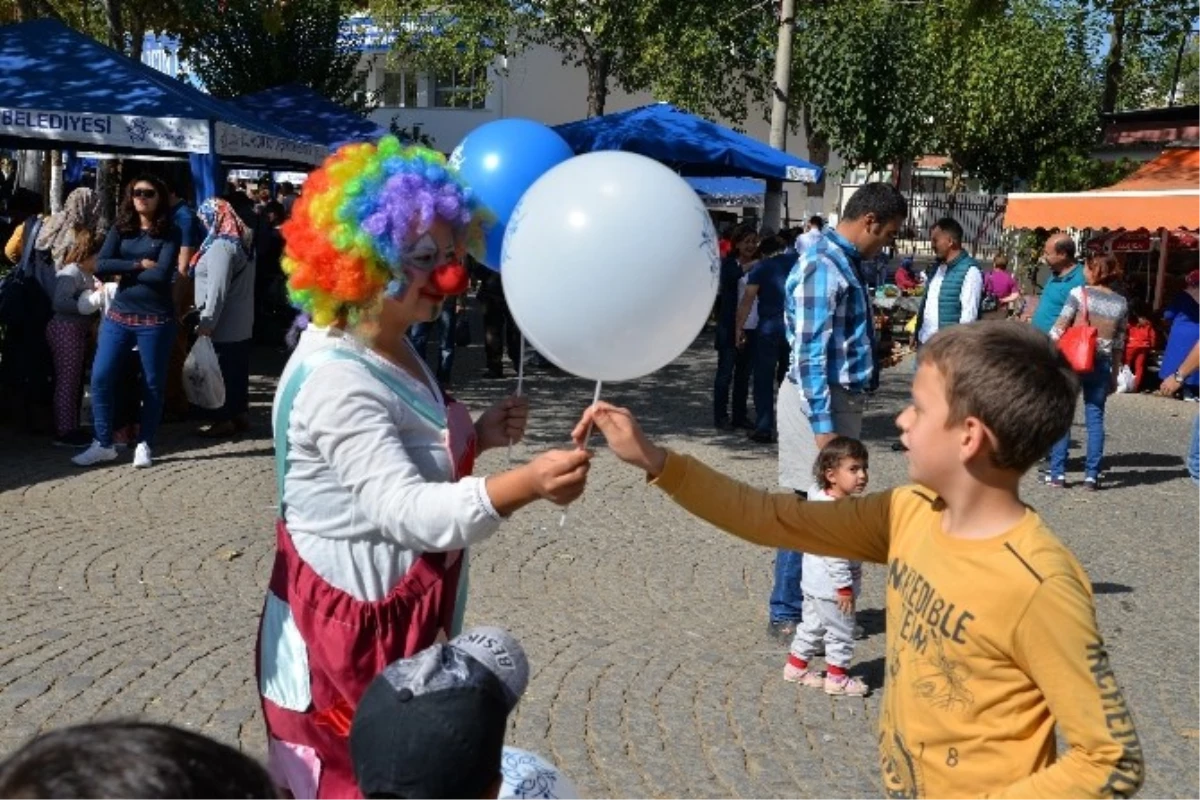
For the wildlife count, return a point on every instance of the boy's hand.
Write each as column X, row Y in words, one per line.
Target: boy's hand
column 846, row 605
column 624, row 437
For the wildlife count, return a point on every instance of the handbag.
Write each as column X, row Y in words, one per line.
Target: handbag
column 22, row 298
column 1078, row 342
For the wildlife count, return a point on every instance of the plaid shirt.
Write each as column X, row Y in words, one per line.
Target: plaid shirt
column 829, row 325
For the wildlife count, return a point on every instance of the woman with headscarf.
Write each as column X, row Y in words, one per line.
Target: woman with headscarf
column 224, row 297
column 377, row 504
column 80, row 212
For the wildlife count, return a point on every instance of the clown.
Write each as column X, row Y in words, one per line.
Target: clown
column 376, row 502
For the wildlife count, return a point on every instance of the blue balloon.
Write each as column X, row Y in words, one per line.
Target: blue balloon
column 500, row 161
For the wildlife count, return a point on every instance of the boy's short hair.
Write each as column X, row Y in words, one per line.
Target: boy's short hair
column 1013, row 379
column 131, row 759
column 832, row 454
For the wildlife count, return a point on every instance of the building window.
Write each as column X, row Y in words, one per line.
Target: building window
column 460, row 89
column 398, row 89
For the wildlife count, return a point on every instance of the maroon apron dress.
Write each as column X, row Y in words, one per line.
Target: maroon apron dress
column 319, row 647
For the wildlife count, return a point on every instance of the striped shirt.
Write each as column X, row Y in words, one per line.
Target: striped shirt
column 1107, row 312
column 829, row 325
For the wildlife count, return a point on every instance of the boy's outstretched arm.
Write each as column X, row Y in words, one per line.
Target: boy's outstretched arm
column 856, row 528
column 1058, row 645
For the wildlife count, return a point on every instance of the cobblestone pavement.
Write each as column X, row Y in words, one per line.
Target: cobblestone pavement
column 137, row 593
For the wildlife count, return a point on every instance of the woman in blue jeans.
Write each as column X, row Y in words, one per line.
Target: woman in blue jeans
column 141, row 250
column 1096, row 304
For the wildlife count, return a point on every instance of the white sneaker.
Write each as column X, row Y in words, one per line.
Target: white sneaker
column 141, row 456
column 95, row 454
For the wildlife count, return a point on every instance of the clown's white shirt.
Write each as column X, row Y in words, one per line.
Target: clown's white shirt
column 368, row 484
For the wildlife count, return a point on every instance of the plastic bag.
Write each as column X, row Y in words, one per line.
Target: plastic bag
column 202, row 382
column 1125, row 380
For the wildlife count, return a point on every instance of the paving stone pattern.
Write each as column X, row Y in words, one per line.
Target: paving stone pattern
column 137, row 593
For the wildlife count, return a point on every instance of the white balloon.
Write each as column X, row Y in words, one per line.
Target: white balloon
column 610, row 265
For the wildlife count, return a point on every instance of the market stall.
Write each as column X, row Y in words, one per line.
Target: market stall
column 309, row 114
column 62, row 89
column 693, row 146
column 1163, row 195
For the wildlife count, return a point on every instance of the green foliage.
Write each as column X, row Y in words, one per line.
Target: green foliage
column 427, row 37
column 697, row 54
column 867, row 78
column 1068, row 171
column 252, row 45
column 1013, row 90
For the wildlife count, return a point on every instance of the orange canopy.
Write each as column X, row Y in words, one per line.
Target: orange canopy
column 1163, row 193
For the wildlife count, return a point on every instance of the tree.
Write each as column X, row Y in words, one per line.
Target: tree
column 1144, row 42
column 861, row 81
column 1014, row 88
column 1068, row 171
column 255, row 44
column 673, row 47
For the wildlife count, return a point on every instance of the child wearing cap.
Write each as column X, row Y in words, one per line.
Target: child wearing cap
column 830, row 585
column 433, row 725
column 992, row 640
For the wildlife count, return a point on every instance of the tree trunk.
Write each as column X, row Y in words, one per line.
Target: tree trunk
column 137, row 36
column 29, row 170
column 598, row 83
column 112, row 18
column 780, row 95
column 107, row 185
column 818, row 154
column 56, row 181
column 26, row 10
column 1114, row 62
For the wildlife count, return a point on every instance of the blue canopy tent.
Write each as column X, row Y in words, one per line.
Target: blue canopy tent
column 305, row 112
column 726, row 192
column 60, row 88
column 691, row 145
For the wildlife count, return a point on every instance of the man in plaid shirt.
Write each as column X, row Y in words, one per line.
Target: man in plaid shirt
column 831, row 332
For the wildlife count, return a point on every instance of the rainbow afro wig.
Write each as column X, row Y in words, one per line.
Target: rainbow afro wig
column 359, row 213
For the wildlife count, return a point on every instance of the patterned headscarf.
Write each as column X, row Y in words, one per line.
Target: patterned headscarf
column 221, row 222
column 80, row 211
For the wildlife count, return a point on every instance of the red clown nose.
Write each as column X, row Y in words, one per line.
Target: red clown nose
column 449, row 279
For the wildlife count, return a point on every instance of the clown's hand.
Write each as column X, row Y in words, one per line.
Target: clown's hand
column 502, row 424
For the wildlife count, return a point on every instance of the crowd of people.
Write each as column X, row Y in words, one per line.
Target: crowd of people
column 758, row 318
column 368, row 685
column 118, row 307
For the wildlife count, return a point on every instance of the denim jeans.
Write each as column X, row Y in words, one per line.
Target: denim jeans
column 722, row 383
column 743, row 371
column 419, row 335
column 1095, row 395
column 116, row 339
column 234, row 358
column 1193, row 455
column 767, row 347
column 787, row 601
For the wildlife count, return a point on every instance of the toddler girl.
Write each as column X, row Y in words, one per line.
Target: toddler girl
column 830, row 585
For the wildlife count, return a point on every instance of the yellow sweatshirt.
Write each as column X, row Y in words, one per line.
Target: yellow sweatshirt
column 990, row 643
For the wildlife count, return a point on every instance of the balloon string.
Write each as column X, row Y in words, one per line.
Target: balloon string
column 520, row 384
column 588, row 435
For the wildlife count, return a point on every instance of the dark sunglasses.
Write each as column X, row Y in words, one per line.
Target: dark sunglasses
column 145, row 194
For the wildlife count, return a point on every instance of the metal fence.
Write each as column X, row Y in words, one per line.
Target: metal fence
column 981, row 217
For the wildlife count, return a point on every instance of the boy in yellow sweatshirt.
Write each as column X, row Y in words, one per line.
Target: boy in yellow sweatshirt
column 991, row 628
